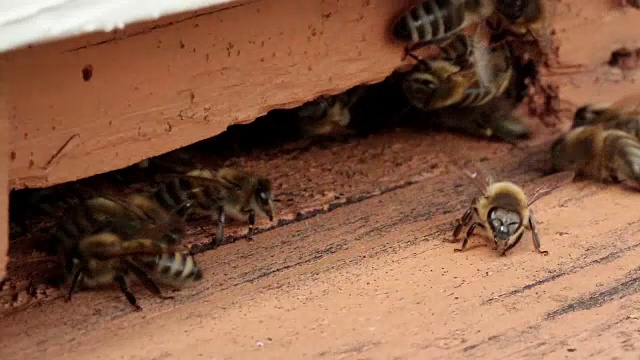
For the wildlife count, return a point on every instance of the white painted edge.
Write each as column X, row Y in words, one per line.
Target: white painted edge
column 25, row 22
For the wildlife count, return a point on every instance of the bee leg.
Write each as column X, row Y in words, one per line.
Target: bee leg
column 74, row 283
column 252, row 223
column 534, row 234
column 510, row 246
column 464, row 221
column 472, row 228
column 220, row 231
column 409, row 50
column 125, row 290
column 147, row 281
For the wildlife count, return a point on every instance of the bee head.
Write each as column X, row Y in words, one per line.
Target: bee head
column 504, row 224
column 420, row 86
column 585, row 115
column 264, row 198
column 315, row 109
column 515, row 10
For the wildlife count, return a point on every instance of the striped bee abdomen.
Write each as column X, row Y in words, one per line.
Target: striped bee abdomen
column 173, row 268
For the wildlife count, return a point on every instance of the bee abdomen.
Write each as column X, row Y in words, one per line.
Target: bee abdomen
column 430, row 20
column 476, row 96
column 457, row 49
column 625, row 152
column 79, row 222
column 172, row 194
column 176, row 268
column 479, row 95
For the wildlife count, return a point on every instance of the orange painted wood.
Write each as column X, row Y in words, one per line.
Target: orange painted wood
column 160, row 86
column 586, row 33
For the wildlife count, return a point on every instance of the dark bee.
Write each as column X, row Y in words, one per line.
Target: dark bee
column 233, row 192
column 328, row 115
column 106, row 240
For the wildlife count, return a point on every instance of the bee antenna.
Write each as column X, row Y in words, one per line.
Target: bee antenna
column 418, row 59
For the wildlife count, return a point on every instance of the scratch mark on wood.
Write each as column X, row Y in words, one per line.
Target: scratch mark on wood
column 160, row 26
column 70, row 143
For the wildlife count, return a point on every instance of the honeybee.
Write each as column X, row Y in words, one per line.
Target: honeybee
column 106, row 258
column 598, row 153
column 229, row 191
column 102, row 212
column 440, row 83
column 503, row 211
column 437, row 85
column 328, row 115
column 104, row 240
column 623, row 114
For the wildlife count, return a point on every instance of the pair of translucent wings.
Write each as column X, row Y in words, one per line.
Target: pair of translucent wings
column 536, row 190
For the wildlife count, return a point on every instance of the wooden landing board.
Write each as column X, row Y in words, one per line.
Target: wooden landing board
column 377, row 279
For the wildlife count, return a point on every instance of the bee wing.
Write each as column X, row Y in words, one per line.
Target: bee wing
column 111, row 246
column 229, row 182
column 482, row 56
column 129, row 211
column 550, row 183
column 480, row 178
column 201, row 183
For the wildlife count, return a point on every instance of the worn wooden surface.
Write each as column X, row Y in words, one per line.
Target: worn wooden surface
column 376, row 279
column 586, row 34
column 160, row 87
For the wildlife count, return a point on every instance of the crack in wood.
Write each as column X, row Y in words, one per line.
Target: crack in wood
column 623, row 289
column 301, row 216
column 161, row 26
column 572, row 270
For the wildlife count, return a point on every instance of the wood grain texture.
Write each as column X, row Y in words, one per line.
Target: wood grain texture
column 160, row 87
